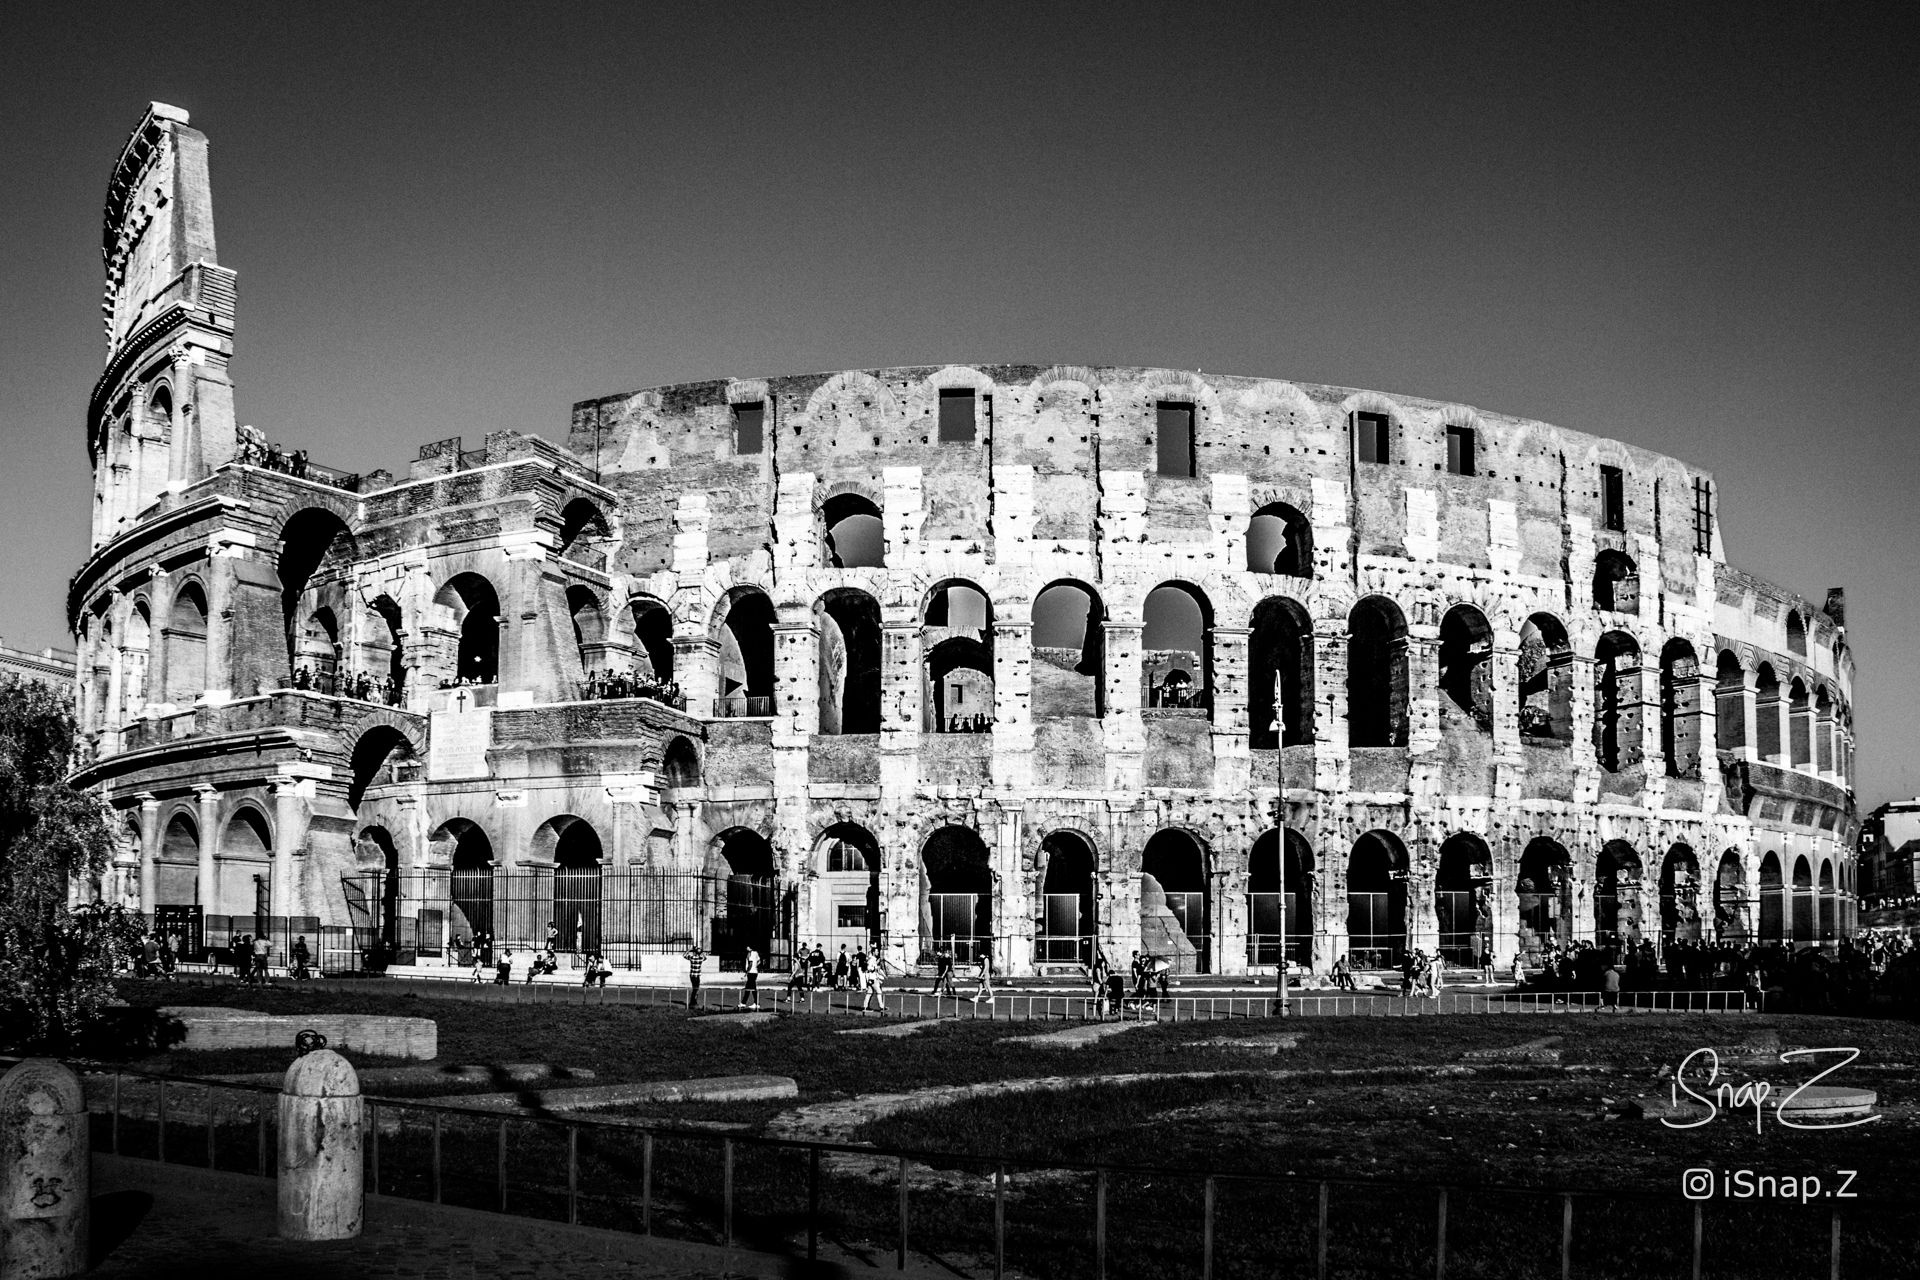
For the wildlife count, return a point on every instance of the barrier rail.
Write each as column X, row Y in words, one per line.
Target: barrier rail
column 785, row 1195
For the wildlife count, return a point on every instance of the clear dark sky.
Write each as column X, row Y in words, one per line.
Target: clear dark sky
column 1691, row 227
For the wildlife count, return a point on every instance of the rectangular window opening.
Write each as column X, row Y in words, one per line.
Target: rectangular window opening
column 1460, row 451
column 1613, row 499
column 957, row 416
column 1702, row 516
column 1173, row 439
column 1370, row 436
column 749, row 427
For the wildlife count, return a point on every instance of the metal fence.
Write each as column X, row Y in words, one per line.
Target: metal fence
column 473, row 914
column 884, row 1206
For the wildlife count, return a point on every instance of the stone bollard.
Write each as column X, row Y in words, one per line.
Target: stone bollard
column 44, row 1182
column 322, row 1127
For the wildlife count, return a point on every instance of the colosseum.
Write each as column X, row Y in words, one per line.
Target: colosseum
column 1016, row 658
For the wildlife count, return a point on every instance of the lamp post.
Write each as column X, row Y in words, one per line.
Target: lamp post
column 1280, row 826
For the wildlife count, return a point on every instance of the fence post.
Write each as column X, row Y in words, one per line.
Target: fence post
column 1440, row 1242
column 1206, row 1234
column 813, row 1204
column 1100, row 1225
column 1696, row 1240
column 646, row 1184
column 373, row 1136
column 726, row 1192
column 999, row 1222
column 573, row 1174
column 210, row 1154
column 160, row 1104
column 260, row 1125
column 1834, row 1273
column 45, row 1181
column 1320, row 1268
column 321, row 1185
column 116, row 1117
column 1566, row 1236
column 436, row 1157
column 900, row 1258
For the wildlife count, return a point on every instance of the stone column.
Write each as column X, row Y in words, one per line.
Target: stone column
column 290, row 813
column 149, row 851
column 1013, row 698
column 1331, row 761
column 45, row 1177
column 1423, row 688
column 219, row 677
column 1231, row 718
column 209, row 801
column 1125, row 733
column 322, row 1127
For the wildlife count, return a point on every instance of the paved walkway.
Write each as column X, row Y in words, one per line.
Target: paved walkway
column 155, row 1221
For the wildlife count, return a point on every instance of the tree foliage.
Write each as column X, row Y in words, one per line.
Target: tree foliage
column 56, row 963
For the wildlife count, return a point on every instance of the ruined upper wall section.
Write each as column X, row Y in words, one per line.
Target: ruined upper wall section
column 158, row 218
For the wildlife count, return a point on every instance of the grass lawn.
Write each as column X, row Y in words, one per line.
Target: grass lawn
column 1535, row 1126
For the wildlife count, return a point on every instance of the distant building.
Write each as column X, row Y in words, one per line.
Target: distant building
column 1889, row 843
column 49, row 666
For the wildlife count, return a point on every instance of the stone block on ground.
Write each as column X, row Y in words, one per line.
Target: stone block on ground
column 1267, row 1045
column 896, row 1030
column 373, row 1035
column 744, row 1088
column 752, row 1018
column 1075, row 1037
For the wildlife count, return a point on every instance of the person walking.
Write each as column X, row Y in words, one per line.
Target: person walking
column 750, row 994
column 841, row 969
column 302, row 959
column 868, row 969
column 262, row 956
column 1610, row 989
column 696, row 959
column 503, row 970
column 1098, row 976
column 985, row 971
column 943, row 974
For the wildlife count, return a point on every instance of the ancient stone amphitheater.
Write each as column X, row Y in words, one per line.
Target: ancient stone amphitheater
column 1019, row 658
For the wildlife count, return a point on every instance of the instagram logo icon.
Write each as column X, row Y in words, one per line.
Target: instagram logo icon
column 1697, row 1184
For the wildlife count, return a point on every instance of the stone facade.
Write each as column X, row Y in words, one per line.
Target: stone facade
column 1007, row 652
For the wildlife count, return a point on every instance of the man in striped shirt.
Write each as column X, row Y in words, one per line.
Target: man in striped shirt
column 695, row 959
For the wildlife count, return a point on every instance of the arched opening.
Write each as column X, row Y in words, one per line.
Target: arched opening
column 956, row 637
column 956, row 895
column 245, row 866
column 1803, row 901
column 378, row 853
column 177, row 868
column 1546, row 680
column 186, row 645
column 1616, row 583
column 1822, row 729
column 1466, row 664
column 749, row 914
column 1462, row 900
column 1732, row 913
column 316, row 555
column 1616, row 895
column 316, row 654
column 464, row 847
column 1680, row 709
column 1799, row 725
column 589, row 628
column 847, row 896
column 100, row 673
column 134, row 657
column 653, row 639
column 1280, row 659
column 1679, row 896
column 1767, row 708
column 1069, row 644
column 1827, row 901
column 1545, row 891
column 577, row 883
column 1796, row 634
column 1066, row 932
column 680, row 766
column 1376, row 901
column 377, row 759
column 475, row 616
column 1616, row 701
column 746, row 655
column 849, row 688
column 1176, row 649
column 856, row 536
column 1773, row 912
column 1729, row 702
column 1268, row 911
column 584, row 534
column 1280, row 540
column 1376, row 674
column 1176, row 909
column 386, row 654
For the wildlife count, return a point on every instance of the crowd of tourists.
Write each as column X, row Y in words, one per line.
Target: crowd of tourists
column 858, row 970
column 979, row 722
column 357, row 685
column 258, row 453
column 609, row 686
